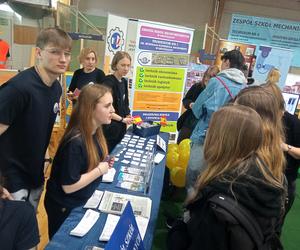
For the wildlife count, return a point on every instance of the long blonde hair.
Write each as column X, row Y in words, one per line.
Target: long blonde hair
column 81, row 123
column 273, row 88
column 273, row 75
column 265, row 104
column 232, row 142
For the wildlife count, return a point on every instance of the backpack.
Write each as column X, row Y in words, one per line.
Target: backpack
column 243, row 229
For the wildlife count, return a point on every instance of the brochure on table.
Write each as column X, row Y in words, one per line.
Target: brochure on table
column 117, row 202
column 114, row 203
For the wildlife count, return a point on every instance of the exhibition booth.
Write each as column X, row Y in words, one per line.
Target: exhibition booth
column 163, row 69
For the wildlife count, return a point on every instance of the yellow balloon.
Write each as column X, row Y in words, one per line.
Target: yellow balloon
column 184, row 157
column 173, row 147
column 178, row 176
column 184, row 145
column 172, row 159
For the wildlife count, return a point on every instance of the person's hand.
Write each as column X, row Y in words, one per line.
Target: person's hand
column 6, row 195
column 128, row 120
column 284, row 147
column 71, row 96
column 103, row 168
column 111, row 162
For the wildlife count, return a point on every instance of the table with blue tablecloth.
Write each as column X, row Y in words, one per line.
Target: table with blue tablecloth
column 63, row 240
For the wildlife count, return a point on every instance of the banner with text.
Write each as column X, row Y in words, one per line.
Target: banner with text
column 161, row 61
column 267, row 31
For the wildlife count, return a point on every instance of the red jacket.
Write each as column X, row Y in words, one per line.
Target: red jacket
column 4, row 51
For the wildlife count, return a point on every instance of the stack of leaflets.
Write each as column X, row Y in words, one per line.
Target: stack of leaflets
column 112, row 221
column 94, row 200
column 131, row 178
column 86, row 223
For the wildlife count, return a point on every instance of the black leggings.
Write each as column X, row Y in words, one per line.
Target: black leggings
column 56, row 215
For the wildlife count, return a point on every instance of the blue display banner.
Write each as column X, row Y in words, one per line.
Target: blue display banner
column 267, row 31
column 156, row 116
column 77, row 36
column 126, row 235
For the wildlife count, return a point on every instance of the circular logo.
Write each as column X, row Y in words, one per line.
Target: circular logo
column 115, row 40
column 56, row 108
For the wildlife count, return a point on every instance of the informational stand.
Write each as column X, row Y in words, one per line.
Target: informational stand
column 160, row 67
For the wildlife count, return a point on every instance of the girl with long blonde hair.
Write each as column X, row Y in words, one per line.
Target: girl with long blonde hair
column 266, row 105
column 235, row 168
column 80, row 159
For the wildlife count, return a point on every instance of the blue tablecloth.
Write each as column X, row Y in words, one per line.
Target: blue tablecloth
column 63, row 240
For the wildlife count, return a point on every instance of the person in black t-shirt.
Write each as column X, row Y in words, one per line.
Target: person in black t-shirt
column 80, row 159
column 88, row 74
column 18, row 224
column 121, row 118
column 292, row 154
column 29, row 103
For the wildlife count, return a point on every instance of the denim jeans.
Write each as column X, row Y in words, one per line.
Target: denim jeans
column 196, row 165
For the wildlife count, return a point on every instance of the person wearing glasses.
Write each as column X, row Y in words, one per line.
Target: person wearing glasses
column 29, row 103
column 88, row 74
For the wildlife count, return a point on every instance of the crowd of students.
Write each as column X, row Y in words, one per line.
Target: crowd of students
column 247, row 150
column 243, row 145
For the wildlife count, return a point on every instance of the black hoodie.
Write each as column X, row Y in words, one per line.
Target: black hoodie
column 203, row 231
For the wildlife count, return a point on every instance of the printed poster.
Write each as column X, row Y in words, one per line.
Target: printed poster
column 161, row 62
column 195, row 74
column 268, row 58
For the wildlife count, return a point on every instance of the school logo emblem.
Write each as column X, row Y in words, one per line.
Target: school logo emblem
column 115, row 40
column 56, row 108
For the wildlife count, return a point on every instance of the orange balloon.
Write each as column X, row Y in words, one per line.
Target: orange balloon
column 177, row 175
column 172, row 159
